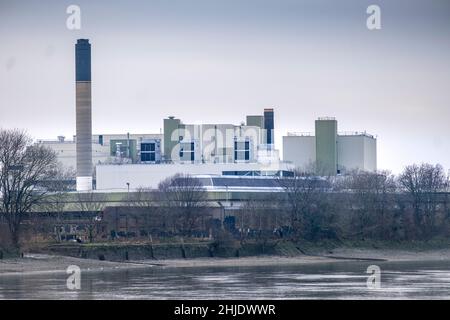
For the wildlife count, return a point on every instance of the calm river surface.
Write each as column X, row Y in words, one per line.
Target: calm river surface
column 341, row 280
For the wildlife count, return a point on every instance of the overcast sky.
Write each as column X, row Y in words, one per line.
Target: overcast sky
column 210, row 61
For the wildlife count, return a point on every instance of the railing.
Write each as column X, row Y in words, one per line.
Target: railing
column 342, row 133
column 40, row 141
column 356, row 133
column 326, row 118
column 300, row 134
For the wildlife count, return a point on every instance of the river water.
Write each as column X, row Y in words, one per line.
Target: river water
column 338, row 280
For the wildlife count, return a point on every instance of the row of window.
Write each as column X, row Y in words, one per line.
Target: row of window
column 148, row 152
column 187, row 151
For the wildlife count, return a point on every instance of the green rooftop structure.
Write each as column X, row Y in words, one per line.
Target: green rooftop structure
column 171, row 126
column 326, row 146
column 257, row 121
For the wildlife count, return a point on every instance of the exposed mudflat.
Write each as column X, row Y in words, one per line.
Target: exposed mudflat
column 43, row 263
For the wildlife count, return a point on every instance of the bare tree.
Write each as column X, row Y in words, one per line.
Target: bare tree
column 184, row 197
column 90, row 201
column 261, row 217
column 423, row 183
column 305, row 194
column 24, row 168
column 371, row 202
column 144, row 198
column 58, row 197
column 147, row 199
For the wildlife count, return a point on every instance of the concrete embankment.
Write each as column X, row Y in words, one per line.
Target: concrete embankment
column 161, row 251
column 120, row 251
column 56, row 258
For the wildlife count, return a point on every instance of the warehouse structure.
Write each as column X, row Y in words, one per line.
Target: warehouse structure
column 330, row 152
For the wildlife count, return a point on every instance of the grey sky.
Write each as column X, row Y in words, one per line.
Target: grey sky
column 216, row 61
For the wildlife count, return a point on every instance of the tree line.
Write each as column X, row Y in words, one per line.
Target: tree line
column 414, row 205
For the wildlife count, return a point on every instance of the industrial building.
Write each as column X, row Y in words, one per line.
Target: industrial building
column 330, row 152
column 220, row 143
column 143, row 160
column 180, row 143
column 110, row 148
column 199, row 149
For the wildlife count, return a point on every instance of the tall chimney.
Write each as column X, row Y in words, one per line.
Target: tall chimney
column 269, row 126
column 83, row 114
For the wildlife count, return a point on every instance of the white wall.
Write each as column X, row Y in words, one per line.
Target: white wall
column 300, row 150
column 66, row 152
column 225, row 140
column 356, row 152
column 370, row 154
column 115, row 177
column 350, row 153
column 353, row 151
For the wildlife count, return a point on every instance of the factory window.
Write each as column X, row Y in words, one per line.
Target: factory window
column 147, row 157
column 100, row 139
column 242, row 150
column 187, row 151
column 148, row 152
column 148, row 147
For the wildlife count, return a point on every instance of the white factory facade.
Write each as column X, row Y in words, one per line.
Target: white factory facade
column 143, row 160
column 180, row 143
column 111, row 178
column 106, row 148
column 248, row 142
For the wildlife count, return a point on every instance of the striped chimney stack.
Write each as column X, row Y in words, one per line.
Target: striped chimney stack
column 83, row 114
